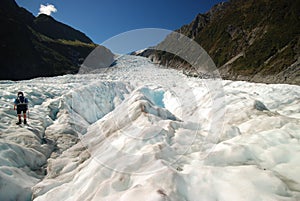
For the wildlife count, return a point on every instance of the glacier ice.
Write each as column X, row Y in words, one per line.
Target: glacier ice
column 142, row 132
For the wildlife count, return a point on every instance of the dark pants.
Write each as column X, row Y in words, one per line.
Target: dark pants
column 19, row 111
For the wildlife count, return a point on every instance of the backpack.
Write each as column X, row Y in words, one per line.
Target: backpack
column 21, row 101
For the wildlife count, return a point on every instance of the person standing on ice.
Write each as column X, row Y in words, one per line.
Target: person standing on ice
column 21, row 104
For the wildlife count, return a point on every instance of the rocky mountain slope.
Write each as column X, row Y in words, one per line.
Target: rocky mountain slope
column 38, row 46
column 253, row 40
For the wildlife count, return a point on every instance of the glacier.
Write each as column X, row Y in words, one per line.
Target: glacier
column 142, row 132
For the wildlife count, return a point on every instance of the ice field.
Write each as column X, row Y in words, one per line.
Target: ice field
column 142, row 132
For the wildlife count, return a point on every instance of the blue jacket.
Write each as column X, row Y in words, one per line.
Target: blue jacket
column 21, row 102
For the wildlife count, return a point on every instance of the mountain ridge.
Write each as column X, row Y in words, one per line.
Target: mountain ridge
column 38, row 46
column 252, row 40
column 48, row 26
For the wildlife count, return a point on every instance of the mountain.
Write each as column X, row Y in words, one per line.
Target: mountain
column 38, row 46
column 48, row 26
column 254, row 40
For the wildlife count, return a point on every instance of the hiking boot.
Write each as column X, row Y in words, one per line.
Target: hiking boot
column 25, row 121
column 20, row 122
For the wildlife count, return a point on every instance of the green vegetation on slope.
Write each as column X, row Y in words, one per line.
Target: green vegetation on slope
column 34, row 47
column 263, row 35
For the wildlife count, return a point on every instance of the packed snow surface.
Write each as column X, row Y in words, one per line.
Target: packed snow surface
column 143, row 132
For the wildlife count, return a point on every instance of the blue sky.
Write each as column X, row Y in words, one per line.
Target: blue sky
column 102, row 19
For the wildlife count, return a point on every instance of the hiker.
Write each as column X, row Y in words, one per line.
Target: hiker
column 21, row 105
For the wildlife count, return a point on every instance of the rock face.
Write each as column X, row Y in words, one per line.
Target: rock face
column 98, row 60
column 38, row 46
column 253, row 40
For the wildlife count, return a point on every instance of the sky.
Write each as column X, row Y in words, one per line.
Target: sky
column 102, row 20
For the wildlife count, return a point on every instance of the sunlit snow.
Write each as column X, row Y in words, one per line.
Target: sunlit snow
column 143, row 132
